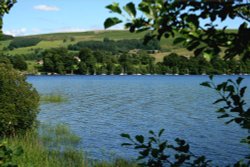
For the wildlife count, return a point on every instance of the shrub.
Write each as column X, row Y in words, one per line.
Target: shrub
column 18, row 102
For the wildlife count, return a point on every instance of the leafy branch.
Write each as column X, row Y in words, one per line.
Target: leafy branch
column 153, row 151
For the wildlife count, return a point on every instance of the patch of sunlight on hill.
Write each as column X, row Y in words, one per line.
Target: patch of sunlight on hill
column 4, row 44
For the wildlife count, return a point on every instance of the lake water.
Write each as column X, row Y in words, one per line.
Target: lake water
column 99, row 108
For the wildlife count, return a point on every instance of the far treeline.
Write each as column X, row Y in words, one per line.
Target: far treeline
column 109, row 57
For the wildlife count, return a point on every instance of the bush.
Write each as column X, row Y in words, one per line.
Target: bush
column 18, row 102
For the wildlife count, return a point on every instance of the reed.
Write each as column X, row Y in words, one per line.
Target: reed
column 53, row 98
column 55, row 146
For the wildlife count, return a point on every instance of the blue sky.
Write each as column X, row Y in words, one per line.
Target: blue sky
column 46, row 16
column 49, row 16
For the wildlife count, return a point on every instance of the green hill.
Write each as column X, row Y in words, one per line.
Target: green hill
column 54, row 40
column 64, row 39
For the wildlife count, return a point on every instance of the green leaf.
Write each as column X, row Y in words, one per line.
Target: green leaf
column 242, row 91
column 221, row 110
column 198, row 51
column 193, row 45
column 144, row 152
column 109, row 22
column 125, row 135
column 228, row 122
column 224, row 116
column 162, row 146
column 114, row 8
column 139, row 138
column 238, row 120
column 238, row 81
column 179, row 40
column 151, row 132
column 230, row 88
column 219, row 100
column 160, row 132
column 154, row 153
column 236, row 109
column 206, row 84
column 130, row 9
column 152, row 139
column 211, row 77
column 221, row 86
column 128, row 25
column 126, row 144
column 207, row 56
column 180, row 141
column 144, row 7
column 192, row 18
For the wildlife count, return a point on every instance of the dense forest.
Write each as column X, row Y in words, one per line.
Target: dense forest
column 119, row 57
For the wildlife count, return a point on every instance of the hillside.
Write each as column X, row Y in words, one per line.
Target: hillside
column 65, row 39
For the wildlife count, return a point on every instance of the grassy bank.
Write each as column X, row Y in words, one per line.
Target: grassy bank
column 54, row 146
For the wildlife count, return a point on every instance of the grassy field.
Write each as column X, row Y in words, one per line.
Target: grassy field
column 64, row 39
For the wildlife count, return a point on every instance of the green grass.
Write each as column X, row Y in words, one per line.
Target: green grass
column 59, row 137
column 37, row 154
column 55, row 146
column 4, row 44
column 53, row 98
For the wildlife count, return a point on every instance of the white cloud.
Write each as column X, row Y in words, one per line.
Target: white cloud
column 46, row 8
column 16, row 32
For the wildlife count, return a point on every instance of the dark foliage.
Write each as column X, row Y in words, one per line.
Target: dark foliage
column 5, row 37
column 156, row 153
column 18, row 102
column 23, row 42
column 116, row 46
column 7, row 154
column 168, row 18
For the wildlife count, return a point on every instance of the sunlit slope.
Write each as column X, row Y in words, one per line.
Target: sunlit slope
column 65, row 39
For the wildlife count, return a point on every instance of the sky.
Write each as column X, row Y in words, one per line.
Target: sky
column 30, row 17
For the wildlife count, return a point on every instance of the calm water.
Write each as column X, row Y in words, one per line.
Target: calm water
column 99, row 108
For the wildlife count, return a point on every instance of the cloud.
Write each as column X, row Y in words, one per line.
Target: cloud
column 16, row 32
column 46, row 8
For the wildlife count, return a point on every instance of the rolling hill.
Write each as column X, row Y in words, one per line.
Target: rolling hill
column 64, row 39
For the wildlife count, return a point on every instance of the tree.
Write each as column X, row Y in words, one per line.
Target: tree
column 183, row 18
column 83, row 69
column 58, row 60
column 171, row 18
column 19, row 63
column 5, row 6
column 18, row 102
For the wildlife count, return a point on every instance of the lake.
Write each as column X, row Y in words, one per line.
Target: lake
column 100, row 108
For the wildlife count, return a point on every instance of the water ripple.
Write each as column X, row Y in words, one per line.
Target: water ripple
column 102, row 107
